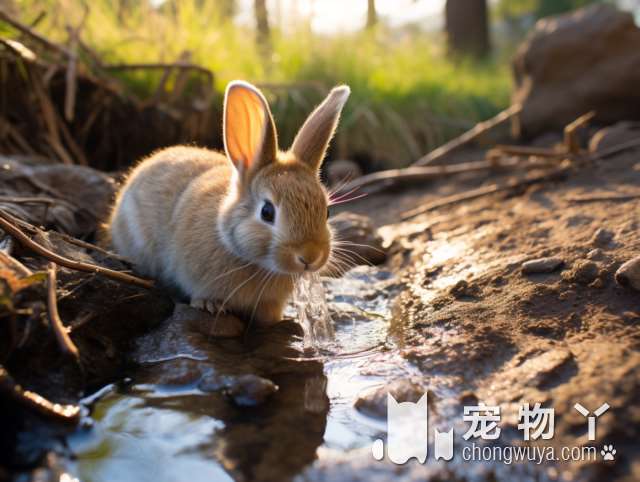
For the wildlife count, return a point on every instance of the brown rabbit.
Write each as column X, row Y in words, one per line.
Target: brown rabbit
column 233, row 232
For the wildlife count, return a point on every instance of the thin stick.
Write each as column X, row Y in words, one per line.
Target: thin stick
column 603, row 198
column 571, row 142
column 483, row 191
column 28, row 200
column 613, row 150
column 63, row 413
column 29, row 32
column 16, row 265
column 62, row 335
column 26, row 241
column 384, row 179
column 69, row 239
column 470, row 135
column 501, row 150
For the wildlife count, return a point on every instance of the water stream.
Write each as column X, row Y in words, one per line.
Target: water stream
column 196, row 408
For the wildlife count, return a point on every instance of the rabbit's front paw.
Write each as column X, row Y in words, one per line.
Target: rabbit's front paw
column 212, row 306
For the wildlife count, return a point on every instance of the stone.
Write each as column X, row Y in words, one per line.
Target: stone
column 250, row 390
column 583, row 272
column 602, row 237
column 615, row 135
column 628, row 275
column 541, row 265
column 360, row 237
column 574, row 63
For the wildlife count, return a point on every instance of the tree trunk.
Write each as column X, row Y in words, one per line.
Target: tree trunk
column 263, row 32
column 467, row 27
column 372, row 15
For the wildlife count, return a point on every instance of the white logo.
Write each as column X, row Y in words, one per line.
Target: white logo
column 484, row 421
column 536, row 422
column 608, row 452
column 591, row 419
column 408, row 434
column 443, row 444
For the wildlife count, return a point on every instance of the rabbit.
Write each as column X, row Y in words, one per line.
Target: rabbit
column 233, row 231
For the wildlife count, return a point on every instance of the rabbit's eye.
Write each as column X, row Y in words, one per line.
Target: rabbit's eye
column 268, row 212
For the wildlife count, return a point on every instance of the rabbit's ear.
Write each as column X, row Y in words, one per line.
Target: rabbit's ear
column 311, row 142
column 249, row 132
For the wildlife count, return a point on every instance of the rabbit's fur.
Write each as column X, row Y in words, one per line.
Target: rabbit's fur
column 196, row 218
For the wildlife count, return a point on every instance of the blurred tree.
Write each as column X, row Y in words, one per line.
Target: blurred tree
column 263, row 31
column 372, row 14
column 228, row 9
column 467, row 27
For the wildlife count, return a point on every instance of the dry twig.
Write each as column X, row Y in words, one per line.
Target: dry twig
column 571, row 141
column 22, row 238
column 469, row 136
column 31, row 400
column 483, row 191
column 603, row 198
column 384, row 179
column 62, row 335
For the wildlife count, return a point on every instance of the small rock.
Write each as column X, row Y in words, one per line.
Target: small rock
column 628, row 274
column 373, row 402
column 595, row 254
column 602, row 237
column 250, row 390
column 542, row 265
column 614, row 135
column 583, row 271
column 361, row 238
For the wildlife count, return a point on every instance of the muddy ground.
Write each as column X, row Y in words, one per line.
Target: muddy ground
column 450, row 313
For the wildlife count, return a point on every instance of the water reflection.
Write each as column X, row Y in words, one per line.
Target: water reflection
column 175, row 420
column 165, row 427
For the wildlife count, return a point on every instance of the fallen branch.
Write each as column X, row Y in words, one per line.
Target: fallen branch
column 22, row 238
column 28, row 200
column 603, row 198
column 31, row 400
column 62, row 335
column 469, row 136
column 22, row 28
column 69, row 239
column 415, row 174
column 502, row 150
column 483, row 191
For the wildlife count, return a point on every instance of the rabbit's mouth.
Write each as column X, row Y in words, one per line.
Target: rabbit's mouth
column 307, row 258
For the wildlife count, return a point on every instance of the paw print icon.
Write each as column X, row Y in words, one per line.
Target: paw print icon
column 608, row 452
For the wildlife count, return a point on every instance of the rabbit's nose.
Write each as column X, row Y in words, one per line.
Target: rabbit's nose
column 304, row 262
column 308, row 258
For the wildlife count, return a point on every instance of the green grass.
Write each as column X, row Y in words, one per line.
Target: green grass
column 407, row 96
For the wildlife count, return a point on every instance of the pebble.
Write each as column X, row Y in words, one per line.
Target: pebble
column 595, row 254
column 628, row 274
column 250, row 390
column 542, row 265
column 583, row 271
column 602, row 237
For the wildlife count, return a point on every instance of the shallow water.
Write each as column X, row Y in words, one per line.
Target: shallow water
column 176, row 419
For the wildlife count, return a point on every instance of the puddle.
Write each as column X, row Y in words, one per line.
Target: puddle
column 175, row 419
